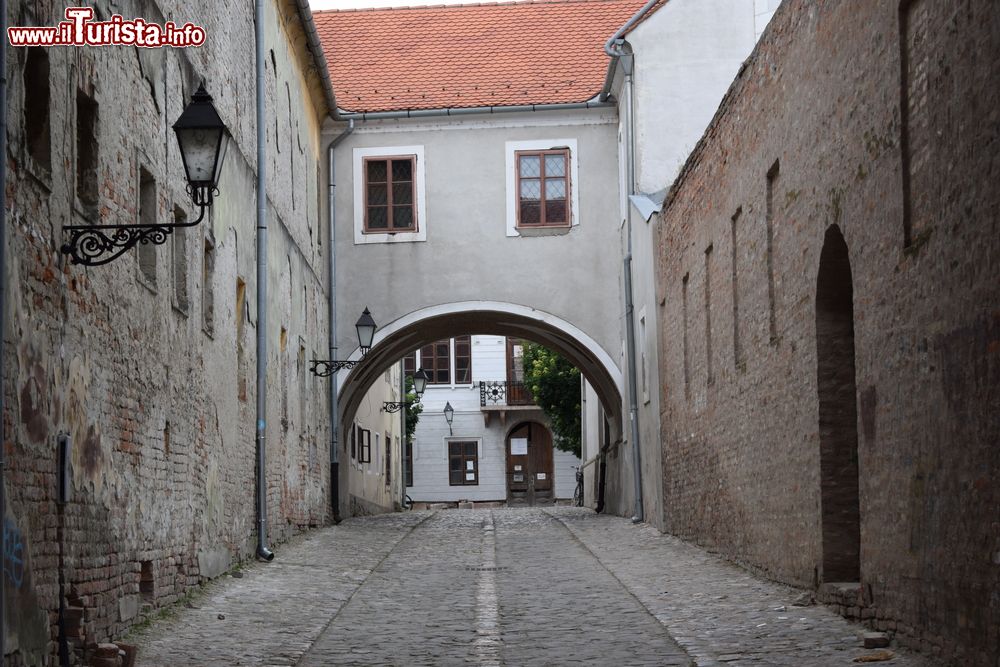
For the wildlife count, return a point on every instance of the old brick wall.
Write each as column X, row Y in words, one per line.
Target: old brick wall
column 149, row 362
column 879, row 121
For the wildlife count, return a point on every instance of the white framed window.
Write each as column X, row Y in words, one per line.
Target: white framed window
column 448, row 362
column 524, row 186
column 389, row 195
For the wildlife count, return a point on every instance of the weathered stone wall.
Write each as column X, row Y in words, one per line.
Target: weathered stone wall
column 148, row 363
column 822, row 131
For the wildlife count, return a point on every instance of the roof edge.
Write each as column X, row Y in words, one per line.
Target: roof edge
column 593, row 103
column 316, row 49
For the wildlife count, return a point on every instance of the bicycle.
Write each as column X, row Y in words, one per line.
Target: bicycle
column 578, row 492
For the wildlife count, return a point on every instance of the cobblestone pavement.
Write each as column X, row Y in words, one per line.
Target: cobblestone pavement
column 498, row 587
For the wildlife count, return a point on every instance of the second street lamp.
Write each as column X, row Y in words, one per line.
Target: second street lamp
column 419, row 383
column 366, row 332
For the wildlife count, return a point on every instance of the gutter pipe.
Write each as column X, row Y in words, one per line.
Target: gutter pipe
column 3, row 314
column 263, row 552
column 341, row 114
column 615, row 48
column 332, row 303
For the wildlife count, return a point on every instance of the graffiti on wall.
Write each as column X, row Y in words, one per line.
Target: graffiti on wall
column 13, row 553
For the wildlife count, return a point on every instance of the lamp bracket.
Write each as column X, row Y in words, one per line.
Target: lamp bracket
column 96, row 245
column 325, row 368
column 395, row 406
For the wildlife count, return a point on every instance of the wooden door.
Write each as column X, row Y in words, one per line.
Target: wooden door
column 529, row 473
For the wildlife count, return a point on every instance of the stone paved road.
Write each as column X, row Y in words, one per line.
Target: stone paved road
column 557, row 586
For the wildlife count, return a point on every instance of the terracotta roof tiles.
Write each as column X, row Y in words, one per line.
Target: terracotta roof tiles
column 452, row 56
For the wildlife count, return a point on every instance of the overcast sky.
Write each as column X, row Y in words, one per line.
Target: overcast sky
column 351, row 4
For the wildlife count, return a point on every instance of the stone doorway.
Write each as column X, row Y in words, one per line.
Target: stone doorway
column 838, row 417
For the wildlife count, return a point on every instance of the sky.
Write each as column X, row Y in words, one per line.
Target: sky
column 352, row 4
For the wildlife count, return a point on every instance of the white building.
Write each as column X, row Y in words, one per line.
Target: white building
column 498, row 447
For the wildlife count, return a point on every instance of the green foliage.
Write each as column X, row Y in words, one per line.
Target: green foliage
column 555, row 385
column 413, row 410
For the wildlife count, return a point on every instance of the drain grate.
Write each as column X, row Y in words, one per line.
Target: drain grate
column 486, row 569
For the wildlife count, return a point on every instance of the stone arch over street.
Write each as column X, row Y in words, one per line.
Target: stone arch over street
column 413, row 330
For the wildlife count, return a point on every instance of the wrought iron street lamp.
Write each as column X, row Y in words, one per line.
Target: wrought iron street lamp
column 203, row 140
column 366, row 332
column 449, row 415
column 419, row 384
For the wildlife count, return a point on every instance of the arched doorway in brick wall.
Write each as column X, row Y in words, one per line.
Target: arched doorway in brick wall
column 838, row 417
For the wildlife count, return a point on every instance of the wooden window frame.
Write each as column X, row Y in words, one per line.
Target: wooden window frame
column 354, row 442
column 465, row 457
column 390, row 219
column 388, row 458
column 565, row 152
column 453, row 380
column 433, row 369
column 408, row 462
column 364, row 445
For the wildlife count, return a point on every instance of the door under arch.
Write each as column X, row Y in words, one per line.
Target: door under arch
column 529, row 465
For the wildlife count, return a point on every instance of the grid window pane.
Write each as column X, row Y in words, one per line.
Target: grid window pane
column 531, row 189
column 530, row 165
column 555, row 188
column 402, row 170
column 555, row 165
column 376, row 171
column 410, row 364
column 378, row 195
column 555, row 211
column 531, row 213
column 402, row 193
column 402, row 217
column 378, row 217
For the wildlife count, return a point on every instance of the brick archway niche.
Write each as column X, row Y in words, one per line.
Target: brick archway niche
column 838, row 417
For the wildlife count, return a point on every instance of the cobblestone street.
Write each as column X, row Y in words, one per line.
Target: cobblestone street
column 498, row 587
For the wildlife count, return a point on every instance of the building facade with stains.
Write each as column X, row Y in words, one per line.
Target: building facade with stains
column 830, row 334
column 148, row 363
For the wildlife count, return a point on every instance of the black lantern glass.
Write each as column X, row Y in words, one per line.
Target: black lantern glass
column 203, row 140
column 366, row 331
column 420, row 382
column 449, row 412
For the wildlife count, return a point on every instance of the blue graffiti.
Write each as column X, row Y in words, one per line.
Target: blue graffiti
column 13, row 553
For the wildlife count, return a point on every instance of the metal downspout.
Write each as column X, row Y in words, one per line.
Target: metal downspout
column 332, row 304
column 3, row 315
column 262, row 551
column 633, row 405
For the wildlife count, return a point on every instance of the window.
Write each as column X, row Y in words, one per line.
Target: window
column 364, row 445
column 180, row 264
column 147, row 216
column 207, row 287
column 388, row 459
column 389, row 195
column 463, row 463
column 543, row 188
column 354, row 443
column 36, row 108
column 408, row 470
column 437, row 360
column 87, row 151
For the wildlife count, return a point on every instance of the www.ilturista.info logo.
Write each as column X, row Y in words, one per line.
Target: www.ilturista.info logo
column 79, row 30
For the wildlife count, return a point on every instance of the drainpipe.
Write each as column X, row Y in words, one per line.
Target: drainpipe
column 3, row 313
column 332, row 304
column 615, row 49
column 263, row 552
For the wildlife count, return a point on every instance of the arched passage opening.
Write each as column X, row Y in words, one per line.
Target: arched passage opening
column 838, row 432
column 476, row 449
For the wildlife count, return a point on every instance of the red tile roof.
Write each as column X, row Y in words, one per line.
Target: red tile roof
column 535, row 52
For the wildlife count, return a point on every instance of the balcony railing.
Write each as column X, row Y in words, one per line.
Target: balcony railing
column 495, row 392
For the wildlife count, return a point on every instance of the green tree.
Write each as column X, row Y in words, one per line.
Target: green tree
column 555, row 385
column 413, row 410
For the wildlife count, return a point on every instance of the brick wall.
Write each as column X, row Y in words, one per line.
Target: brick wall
column 148, row 363
column 872, row 127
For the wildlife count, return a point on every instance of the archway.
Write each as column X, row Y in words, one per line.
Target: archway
column 838, row 431
column 396, row 339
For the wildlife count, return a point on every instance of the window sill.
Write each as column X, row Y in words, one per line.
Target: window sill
column 552, row 230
